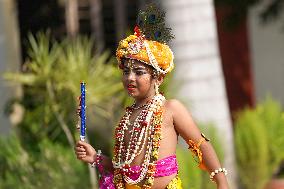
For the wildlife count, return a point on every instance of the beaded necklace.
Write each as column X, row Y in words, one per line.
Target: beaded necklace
column 135, row 107
column 146, row 131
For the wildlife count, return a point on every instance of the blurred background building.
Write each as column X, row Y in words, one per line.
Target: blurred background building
column 266, row 49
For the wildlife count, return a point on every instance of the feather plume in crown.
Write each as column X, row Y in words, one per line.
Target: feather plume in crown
column 152, row 24
column 148, row 44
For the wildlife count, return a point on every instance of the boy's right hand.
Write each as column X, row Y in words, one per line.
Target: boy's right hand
column 85, row 152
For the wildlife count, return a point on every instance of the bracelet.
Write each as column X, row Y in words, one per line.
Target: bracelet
column 98, row 160
column 216, row 171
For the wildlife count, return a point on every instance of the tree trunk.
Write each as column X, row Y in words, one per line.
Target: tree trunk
column 10, row 60
column 141, row 4
column 236, row 61
column 199, row 68
column 71, row 18
column 97, row 23
column 120, row 18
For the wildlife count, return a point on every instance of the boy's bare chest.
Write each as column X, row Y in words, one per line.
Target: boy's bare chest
column 167, row 125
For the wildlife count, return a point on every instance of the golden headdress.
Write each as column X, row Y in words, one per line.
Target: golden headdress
column 148, row 44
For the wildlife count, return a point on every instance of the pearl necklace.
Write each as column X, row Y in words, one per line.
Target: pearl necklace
column 141, row 130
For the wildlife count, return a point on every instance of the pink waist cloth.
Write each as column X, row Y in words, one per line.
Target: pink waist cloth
column 164, row 167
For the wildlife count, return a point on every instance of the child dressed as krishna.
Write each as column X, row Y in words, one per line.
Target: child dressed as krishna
column 147, row 135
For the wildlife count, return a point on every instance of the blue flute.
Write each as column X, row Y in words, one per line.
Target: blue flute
column 83, row 112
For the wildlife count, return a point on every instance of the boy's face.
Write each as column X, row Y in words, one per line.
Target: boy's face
column 137, row 78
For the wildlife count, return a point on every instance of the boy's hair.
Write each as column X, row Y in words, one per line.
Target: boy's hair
column 154, row 73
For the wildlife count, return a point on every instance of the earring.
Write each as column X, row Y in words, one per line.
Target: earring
column 156, row 86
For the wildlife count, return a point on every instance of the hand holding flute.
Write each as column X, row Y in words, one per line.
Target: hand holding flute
column 83, row 150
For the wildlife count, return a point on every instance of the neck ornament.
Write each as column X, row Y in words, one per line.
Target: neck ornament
column 135, row 107
column 145, row 134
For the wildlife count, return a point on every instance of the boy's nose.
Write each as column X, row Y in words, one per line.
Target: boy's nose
column 131, row 76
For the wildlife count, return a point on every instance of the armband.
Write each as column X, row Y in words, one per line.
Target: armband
column 195, row 149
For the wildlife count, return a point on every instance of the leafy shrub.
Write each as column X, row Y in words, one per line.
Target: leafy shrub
column 54, row 166
column 51, row 81
column 259, row 143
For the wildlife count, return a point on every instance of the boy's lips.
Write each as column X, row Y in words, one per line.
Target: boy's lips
column 130, row 87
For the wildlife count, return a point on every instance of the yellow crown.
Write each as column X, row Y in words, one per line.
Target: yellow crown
column 156, row 54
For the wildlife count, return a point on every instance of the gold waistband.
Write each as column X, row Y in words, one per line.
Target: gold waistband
column 174, row 184
column 128, row 186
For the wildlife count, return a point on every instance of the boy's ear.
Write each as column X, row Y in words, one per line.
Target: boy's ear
column 160, row 79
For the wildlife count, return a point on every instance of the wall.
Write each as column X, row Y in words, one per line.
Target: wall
column 267, row 47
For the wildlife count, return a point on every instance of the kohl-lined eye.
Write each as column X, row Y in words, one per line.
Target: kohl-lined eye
column 140, row 72
column 125, row 71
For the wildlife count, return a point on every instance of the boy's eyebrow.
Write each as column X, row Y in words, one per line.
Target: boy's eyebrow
column 140, row 67
column 136, row 68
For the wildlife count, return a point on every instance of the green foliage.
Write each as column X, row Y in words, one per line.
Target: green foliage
column 259, row 143
column 251, row 150
column 191, row 176
column 51, row 80
column 54, row 167
column 273, row 119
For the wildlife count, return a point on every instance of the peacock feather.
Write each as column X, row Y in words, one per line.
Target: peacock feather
column 152, row 24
